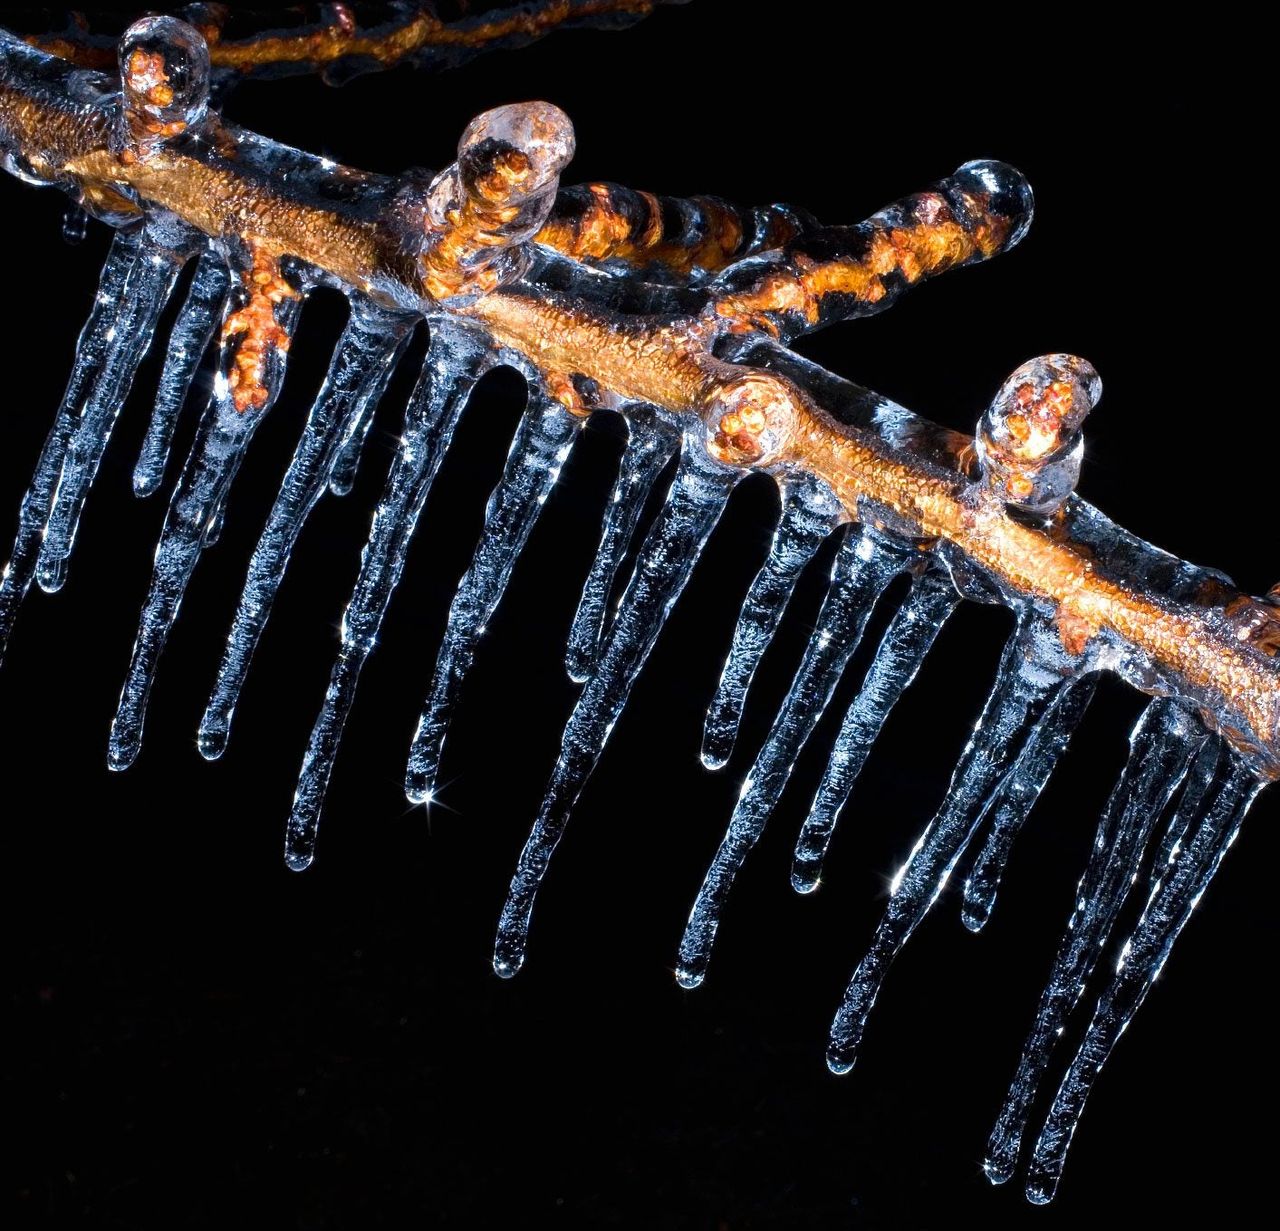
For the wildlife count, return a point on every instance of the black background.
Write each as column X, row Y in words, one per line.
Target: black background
column 199, row 1038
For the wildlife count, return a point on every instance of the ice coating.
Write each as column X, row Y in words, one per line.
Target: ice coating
column 164, row 80
column 96, row 341
column 1018, row 797
column 192, row 332
column 1178, row 886
column 455, row 361
column 143, row 295
column 1024, row 691
column 673, row 314
column 693, row 505
column 906, row 641
column 651, row 443
column 1162, row 745
column 1029, row 442
column 538, row 450
column 862, row 569
column 362, row 364
column 198, row 500
column 808, row 515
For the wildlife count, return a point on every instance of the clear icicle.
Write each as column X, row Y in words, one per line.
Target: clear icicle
column 1161, row 746
column 1023, row 691
column 1200, row 778
column 194, row 509
column 192, row 331
column 455, row 361
column 538, row 449
column 358, row 373
column 1178, row 888
column 862, row 569
column 98, row 339
column 809, row 513
column 909, row 637
column 651, row 442
column 346, row 463
column 666, row 559
column 1017, row 797
column 146, row 290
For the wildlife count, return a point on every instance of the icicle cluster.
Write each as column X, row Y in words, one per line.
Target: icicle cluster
column 480, row 216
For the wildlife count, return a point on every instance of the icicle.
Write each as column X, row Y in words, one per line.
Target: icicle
column 1023, row 692
column 666, row 559
column 1177, row 890
column 98, row 339
column 541, row 443
column 1161, row 746
column 1017, row 797
column 225, row 431
column 909, row 637
column 862, row 569
column 358, row 373
column 342, row 475
column 455, row 361
column 146, row 290
column 1200, row 778
column 192, row 332
column 651, row 442
column 809, row 513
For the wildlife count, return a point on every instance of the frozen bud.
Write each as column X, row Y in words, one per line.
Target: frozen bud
column 512, row 153
column 495, row 197
column 164, row 77
column 751, row 419
column 1029, row 440
column 996, row 201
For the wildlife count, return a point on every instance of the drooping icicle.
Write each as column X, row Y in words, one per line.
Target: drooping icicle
column 863, row 567
column 358, row 373
column 1017, row 797
column 1023, row 691
column 1161, row 746
column 651, row 443
column 1200, row 777
column 1177, row 890
column 145, row 292
column 538, row 449
column 666, row 559
column 809, row 513
column 240, row 402
column 455, row 361
column 909, row 637
column 346, row 464
column 192, row 331
column 98, row 339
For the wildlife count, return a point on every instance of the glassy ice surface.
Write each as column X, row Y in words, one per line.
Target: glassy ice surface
column 1041, row 688
column 809, row 513
column 197, row 505
column 192, row 332
column 666, row 559
column 909, row 637
column 541, row 444
column 1023, row 691
column 863, row 567
column 1210, row 830
column 358, row 373
column 1162, row 744
column 96, row 342
column 1017, row 797
column 126, row 338
column 651, row 443
column 455, row 362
